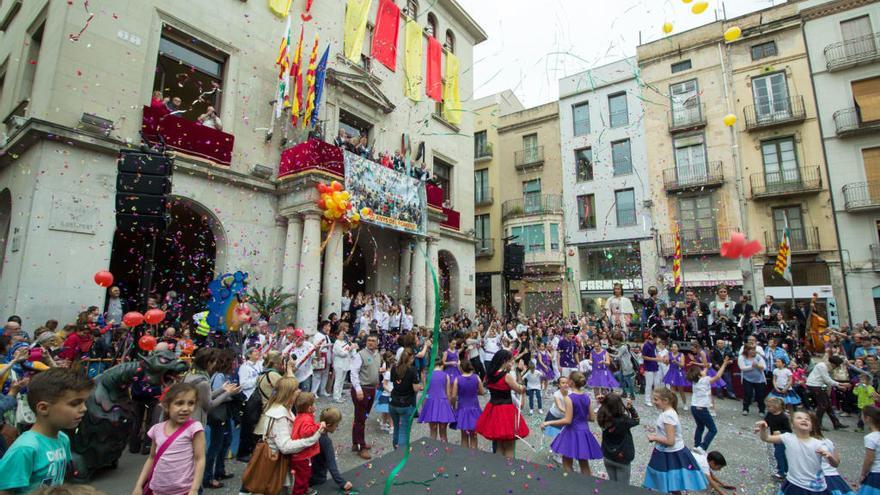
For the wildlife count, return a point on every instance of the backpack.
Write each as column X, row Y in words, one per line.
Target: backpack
column 253, row 407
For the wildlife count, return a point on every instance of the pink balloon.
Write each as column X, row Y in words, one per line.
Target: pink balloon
column 733, row 248
column 750, row 249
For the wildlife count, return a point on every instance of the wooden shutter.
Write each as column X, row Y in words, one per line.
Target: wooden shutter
column 867, row 96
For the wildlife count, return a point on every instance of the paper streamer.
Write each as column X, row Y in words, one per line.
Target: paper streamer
column 435, row 336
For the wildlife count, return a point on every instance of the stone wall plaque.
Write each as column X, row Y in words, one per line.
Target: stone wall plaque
column 73, row 213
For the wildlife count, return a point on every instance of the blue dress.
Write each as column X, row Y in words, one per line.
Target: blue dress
column 576, row 440
column 468, row 408
column 436, row 408
column 601, row 375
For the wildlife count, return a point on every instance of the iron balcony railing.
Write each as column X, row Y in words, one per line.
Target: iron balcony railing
column 849, row 53
column 776, row 112
column 861, row 196
column 849, row 122
column 803, row 240
column 529, row 157
column 786, row 182
column 485, row 247
column 532, row 204
column 695, row 242
column 484, row 196
column 483, row 152
column 694, row 177
column 686, row 118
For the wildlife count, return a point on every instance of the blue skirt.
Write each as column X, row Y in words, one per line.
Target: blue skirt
column 382, row 403
column 792, row 489
column 551, row 431
column 870, row 485
column 791, row 398
column 837, row 486
column 674, row 471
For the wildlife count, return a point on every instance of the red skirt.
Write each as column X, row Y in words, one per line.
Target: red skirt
column 496, row 423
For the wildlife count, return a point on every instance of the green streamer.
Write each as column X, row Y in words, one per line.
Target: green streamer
column 435, row 336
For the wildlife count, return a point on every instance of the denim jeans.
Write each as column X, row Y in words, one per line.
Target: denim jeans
column 306, row 385
column 534, row 394
column 219, row 439
column 781, row 463
column 704, row 421
column 400, row 419
column 627, row 383
column 728, row 382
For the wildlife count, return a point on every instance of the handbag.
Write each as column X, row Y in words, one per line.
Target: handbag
column 266, row 471
column 161, row 450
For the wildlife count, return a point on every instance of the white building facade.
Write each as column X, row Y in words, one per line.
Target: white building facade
column 58, row 174
column 605, row 183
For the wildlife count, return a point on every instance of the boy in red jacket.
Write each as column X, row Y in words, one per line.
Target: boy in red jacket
column 304, row 426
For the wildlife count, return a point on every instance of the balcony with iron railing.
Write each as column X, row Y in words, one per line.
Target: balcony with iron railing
column 709, row 175
column 875, row 257
column 484, row 196
column 529, row 158
column 786, row 183
column 850, row 53
column 543, row 204
column 804, row 240
column 687, row 118
column 789, row 110
column 485, row 247
column 696, row 242
column 483, row 153
column 848, row 122
column 861, row 196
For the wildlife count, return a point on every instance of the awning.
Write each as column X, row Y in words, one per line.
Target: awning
column 708, row 278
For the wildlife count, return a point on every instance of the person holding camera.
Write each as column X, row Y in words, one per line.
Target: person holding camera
column 211, row 119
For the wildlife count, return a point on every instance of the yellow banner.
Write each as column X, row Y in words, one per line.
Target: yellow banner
column 356, row 13
column 451, row 97
column 280, row 7
column 412, row 69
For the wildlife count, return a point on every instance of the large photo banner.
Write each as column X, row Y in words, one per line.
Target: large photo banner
column 396, row 200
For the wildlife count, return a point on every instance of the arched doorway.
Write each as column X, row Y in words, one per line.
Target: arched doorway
column 185, row 261
column 449, row 280
column 5, row 221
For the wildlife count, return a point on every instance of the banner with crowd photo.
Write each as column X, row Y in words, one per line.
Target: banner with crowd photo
column 395, row 200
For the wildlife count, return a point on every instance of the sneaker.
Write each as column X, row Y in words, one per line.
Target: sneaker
column 541, row 412
column 699, row 450
column 531, row 412
column 712, row 413
column 312, row 491
column 840, row 426
column 745, row 413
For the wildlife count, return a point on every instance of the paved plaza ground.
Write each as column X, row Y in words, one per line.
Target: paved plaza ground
column 750, row 462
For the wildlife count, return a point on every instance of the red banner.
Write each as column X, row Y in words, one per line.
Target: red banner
column 434, row 86
column 385, row 34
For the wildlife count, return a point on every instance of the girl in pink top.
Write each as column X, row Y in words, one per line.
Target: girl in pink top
column 175, row 467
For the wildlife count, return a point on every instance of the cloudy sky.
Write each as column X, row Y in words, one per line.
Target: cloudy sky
column 533, row 43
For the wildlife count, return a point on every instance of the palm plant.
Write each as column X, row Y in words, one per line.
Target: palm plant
column 272, row 302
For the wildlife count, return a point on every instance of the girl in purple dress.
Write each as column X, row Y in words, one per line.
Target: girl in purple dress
column 601, row 376
column 576, row 441
column 675, row 378
column 436, row 411
column 465, row 390
column 545, row 366
column 451, row 361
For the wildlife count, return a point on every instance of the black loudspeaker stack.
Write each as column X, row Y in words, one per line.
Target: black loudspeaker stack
column 143, row 184
column 514, row 257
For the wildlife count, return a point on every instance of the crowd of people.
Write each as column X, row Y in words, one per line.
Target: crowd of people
column 279, row 391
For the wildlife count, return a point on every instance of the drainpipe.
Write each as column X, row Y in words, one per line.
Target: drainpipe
column 744, row 264
column 828, row 174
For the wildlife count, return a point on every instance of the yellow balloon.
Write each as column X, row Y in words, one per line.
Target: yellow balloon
column 365, row 212
column 345, row 195
column 329, row 204
column 328, row 214
column 355, row 217
column 686, row 1
column 667, row 27
column 699, row 7
column 733, row 33
column 729, row 120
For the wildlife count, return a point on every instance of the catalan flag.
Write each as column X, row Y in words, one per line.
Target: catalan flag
column 310, row 84
column 676, row 263
column 282, row 94
column 296, row 74
column 783, row 259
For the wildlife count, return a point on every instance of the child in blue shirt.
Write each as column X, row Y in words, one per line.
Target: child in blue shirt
column 39, row 456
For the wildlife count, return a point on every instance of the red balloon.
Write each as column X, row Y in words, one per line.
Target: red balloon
column 750, row 249
column 154, row 316
column 147, row 343
column 733, row 248
column 132, row 319
column 321, row 204
column 335, row 186
column 104, row 278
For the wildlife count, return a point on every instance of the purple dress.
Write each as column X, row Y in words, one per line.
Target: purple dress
column 545, row 366
column 452, row 370
column 576, row 440
column 675, row 377
column 468, row 410
column 601, row 375
column 702, row 358
column 436, row 408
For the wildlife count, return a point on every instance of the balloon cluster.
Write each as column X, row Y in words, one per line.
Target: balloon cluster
column 335, row 203
column 738, row 247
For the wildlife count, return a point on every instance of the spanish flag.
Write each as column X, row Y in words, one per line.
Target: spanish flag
column 451, row 99
column 676, row 263
column 412, row 62
column 356, row 13
column 296, row 73
column 310, row 84
column 783, row 259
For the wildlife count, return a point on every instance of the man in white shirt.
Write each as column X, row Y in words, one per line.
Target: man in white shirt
column 490, row 347
column 343, row 352
column 321, row 360
column 300, row 351
column 818, row 383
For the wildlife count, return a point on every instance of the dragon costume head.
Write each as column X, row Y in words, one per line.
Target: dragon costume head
column 160, row 368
